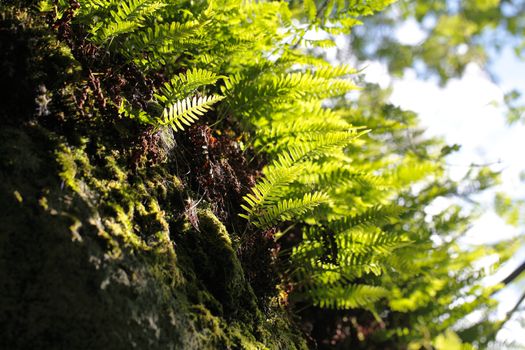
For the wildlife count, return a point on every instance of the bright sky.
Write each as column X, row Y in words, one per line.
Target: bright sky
column 468, row 112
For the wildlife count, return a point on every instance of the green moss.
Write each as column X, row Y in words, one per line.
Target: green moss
column 107, row 274
column 71, row 162
column 217, row 265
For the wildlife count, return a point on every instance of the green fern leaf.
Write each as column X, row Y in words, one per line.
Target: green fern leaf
column 344, row 296
column 187, row 111
column 185, row 83
column 287, row 209
column 373, row 216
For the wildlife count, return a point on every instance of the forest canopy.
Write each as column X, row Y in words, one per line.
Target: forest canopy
column 196, row 174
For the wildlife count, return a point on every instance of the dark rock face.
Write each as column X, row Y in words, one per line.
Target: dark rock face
column 95, row 251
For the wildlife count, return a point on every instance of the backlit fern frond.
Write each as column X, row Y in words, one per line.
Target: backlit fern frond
column 183, row 84
column 346, row 296
column 339, row 16
column 169, row 37
column 115, row 29
column 411, row 171
column 316, row 144
column 304, row 84
column 360, row 241
column 187, row 111
column 351, row 249
column 333, row 175
column 286, row 168
column 254, row 95
column 322, row 43
column 321, row 265
column 373, row 216
column 268, row 203
column 286, row 209
column 329, row 72
column 270, row 188
column 313, row 118
column 128, row 16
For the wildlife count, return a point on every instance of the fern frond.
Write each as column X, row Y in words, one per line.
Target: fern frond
column 318, row 144
column 187, row 111
column 182, row 85
column 322, row 121
column 333, row 175
column 410, row 172
column 348, row 254
column 115, row 29
column 164, row 35
column 359, row 241
column 373, row 216
column 329, row 72
column 346, row 296
column 340, row 16
column 321, row 271
column 98, row 4
column 128, row 111
column 322, row 43
column 287, row 209
column 127, row 17
column 268, row 190
column 136, row 10
column 285, row 170
column 310, row 9
column 304, row 84
column 253, row 95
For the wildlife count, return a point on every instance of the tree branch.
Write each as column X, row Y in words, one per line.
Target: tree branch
column 514, row 274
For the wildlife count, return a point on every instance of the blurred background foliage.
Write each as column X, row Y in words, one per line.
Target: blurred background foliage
column 446, row 36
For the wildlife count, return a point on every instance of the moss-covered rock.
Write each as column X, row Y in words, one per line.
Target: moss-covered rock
column 95, row 251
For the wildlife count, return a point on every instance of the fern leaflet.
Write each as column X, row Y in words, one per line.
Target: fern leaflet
column 187, row 111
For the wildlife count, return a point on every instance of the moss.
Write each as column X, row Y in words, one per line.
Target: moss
column 69, row 168
column 217, row 264
column 96, row 253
